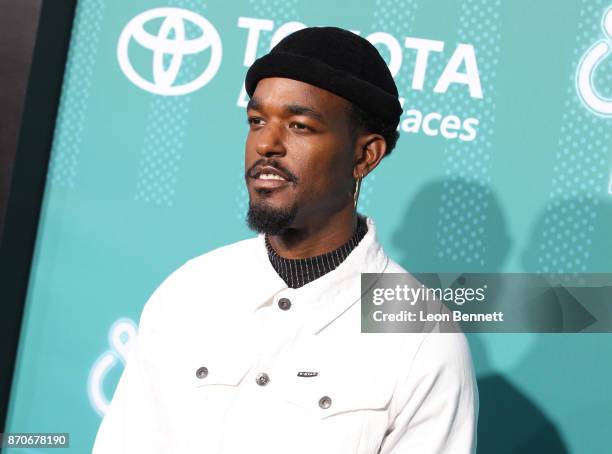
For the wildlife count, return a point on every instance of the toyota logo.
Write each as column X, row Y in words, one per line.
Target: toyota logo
column 170, row 40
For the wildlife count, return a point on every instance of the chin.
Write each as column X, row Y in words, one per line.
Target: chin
column 265, row 217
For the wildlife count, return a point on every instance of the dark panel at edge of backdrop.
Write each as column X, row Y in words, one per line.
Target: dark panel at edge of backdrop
column 18, row 24
column 28, row 178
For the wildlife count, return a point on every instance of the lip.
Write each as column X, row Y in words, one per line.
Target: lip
column 268, row 184
column 258, row 170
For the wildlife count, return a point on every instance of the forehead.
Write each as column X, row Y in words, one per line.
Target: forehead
column 279, row 92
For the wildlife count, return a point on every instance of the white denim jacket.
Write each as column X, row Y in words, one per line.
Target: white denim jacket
column 219, row 368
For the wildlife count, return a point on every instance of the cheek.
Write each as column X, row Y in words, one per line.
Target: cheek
column 325, row 166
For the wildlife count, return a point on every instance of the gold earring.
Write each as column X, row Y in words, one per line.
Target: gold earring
column 356, row 193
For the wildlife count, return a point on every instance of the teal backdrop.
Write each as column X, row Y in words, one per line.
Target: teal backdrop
column 504, row 165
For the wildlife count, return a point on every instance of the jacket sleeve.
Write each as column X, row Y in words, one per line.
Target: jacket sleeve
column 435, row 407
column 132, row 423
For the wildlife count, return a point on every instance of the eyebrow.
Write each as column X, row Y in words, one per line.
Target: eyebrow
column 252, row 104
column 294, row 109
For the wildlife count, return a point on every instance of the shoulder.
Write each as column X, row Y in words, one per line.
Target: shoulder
column 430, row 350
column 231, row 254
column 437, row 375
column 191, row 281
column 394, row 267
column 449, row 352
column 419, row 356
column 219, row 260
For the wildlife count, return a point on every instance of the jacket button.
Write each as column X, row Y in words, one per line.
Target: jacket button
column 262, row 379
column 325, row 402
column 202, row 372
column 284, row 303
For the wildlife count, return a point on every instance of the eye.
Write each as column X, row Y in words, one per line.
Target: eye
column 299, row 126
column 255, row 121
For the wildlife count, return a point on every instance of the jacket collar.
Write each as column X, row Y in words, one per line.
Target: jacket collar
column 333, row 293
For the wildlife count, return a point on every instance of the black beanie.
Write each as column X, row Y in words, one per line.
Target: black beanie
column 336, row 60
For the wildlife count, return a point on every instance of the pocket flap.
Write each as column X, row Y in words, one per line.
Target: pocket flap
column 216, row 371
column 326, row 395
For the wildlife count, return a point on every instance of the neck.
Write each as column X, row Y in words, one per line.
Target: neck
column 316, row 238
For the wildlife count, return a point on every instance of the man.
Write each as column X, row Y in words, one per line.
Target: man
column 256, row 347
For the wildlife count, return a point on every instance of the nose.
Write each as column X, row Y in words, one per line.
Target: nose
column 270, row 141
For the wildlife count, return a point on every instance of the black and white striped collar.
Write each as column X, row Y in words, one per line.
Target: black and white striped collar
column 299, row 272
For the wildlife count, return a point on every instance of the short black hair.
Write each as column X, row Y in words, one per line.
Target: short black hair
column 363, row 121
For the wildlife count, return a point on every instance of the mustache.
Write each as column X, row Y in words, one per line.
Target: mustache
column 271, row 163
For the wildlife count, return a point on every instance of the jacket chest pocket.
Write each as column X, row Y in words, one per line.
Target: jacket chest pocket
column 214, row 381
column 214, row 371
column 344, row 409
column 213, row 390
column 338, row 390
column 225, row 365
column 210, row 373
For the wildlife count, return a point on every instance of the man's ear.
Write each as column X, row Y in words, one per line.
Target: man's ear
column 369, row 151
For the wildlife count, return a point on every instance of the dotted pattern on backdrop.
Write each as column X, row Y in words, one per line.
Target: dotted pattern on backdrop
column 72, row 115
column 396, row 18
column 462, row 221
column 582, row 163
column 280, row 12
column 165, row 131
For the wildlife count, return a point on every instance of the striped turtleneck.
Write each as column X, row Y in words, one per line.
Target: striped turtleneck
column 299, row 272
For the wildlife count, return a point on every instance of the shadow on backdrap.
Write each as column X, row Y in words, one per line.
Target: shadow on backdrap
column 574, row 235
column 457, row 225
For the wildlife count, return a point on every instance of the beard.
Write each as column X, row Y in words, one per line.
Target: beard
column 263, row 218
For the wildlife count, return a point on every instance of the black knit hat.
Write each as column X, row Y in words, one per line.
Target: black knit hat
column 336, row 60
